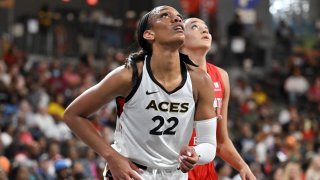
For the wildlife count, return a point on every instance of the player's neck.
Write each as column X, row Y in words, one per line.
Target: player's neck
column 165, row 60
column 165, row 67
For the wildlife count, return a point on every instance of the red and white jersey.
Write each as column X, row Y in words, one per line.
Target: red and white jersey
column 155, row 123
column 217, row 86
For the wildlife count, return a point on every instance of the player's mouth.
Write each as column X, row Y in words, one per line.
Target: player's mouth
column 206, row 37
column 179, row 28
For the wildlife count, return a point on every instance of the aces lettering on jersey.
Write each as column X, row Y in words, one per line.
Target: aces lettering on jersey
column 168, row 106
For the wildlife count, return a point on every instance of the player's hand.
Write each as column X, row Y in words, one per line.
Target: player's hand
column 188, row 158
column 122, row 168
column 246, row 174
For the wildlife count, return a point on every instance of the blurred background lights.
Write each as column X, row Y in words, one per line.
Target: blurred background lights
column 92, row 2
column 287, row 8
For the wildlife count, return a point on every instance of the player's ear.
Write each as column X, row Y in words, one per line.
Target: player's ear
column 148, row 35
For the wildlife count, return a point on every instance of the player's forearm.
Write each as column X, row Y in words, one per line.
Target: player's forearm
column 88, row 134
column 228, row 153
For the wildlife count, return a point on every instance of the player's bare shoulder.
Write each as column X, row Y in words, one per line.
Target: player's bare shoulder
column 121, row 78
column 223, row 73
column 225, row 78
column 122, row 73
column 198, row 76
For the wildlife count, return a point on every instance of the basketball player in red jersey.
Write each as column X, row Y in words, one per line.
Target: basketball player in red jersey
column 197, row 43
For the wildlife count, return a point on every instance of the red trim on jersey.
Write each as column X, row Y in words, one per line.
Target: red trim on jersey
column 120, row 103
column 207, row 171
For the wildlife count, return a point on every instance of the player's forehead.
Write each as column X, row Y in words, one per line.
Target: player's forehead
column 161, row 9
column 191, row 21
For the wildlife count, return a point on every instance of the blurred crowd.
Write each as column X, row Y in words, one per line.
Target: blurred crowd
column 274, row 111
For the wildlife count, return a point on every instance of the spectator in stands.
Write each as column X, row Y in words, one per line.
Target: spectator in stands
column 3, row 175
column 313, row 171
column 62, row 169
column 296, row 86
column 314, row 91
column 241, row 90
column 278, row 173
column 5, row 166
column 20, row 172
column 292, row 171
column 236, row 39
column 56, row 108
column 274, row 88
column 4, row 76
column 46, row 123
column 261, row 148
column 45, row 18
column 89, row 163
column 261, row 42
column 44, row 166
column 71, row 76
column 223, row 170
column 259, row 95
column 10, row 57
column 78, row 171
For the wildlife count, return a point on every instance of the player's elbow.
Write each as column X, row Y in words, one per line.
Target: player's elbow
column 206, row 152
column 68, row 117
column 222, row 142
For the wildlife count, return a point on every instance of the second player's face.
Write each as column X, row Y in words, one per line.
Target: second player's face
column 196, row 34
column 167, row 26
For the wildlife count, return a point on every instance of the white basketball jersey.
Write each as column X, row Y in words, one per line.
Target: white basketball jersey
column 155, row 124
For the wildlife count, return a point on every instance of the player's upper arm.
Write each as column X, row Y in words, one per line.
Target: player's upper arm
column 226, row 84
column 222, row 130
column 116, row 83
column 203, row 88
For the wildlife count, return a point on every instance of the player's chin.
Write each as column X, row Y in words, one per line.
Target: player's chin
column 179, row 37
column 178, row 40
column 206, row 45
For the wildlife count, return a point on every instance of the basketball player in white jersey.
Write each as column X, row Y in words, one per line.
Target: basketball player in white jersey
column 164, row 99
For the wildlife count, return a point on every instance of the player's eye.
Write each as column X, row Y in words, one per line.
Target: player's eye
column 164, row 15
column 194, row 26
